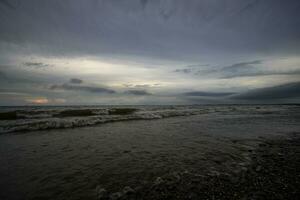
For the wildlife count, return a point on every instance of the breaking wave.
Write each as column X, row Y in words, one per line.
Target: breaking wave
column 43, row 118
column 31, row 120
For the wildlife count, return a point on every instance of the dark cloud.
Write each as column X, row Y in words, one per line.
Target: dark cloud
column 191, row 69
column 236, row 69
column 144, row 3
column 185, row 71
column 285, row 91
column 147, row 34
column 82, row 88
column 168, row 29
column 237, row 66
column 8, row 3
column 138, row 92
column 208, row 94
column 240, row 69
column 2, row 75
column 244, row 69
column 248, row 6
column 128, row 85
column 256, row 72
column 75, row 81
column 11, row 76
column 36, row 64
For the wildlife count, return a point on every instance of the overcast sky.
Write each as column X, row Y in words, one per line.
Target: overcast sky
column 55, row 52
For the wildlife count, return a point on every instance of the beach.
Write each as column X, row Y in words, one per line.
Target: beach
column 208, row 152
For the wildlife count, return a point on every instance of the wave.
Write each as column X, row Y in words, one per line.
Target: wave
column 33, row 119
column 42, row 120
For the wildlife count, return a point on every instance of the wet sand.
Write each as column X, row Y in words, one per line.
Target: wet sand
column 273, row 173
column 213, row 156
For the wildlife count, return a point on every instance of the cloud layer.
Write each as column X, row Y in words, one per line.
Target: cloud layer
column 149, row 52
column 175, row 28
column 285, row 91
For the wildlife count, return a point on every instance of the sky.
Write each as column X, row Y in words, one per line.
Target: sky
column 143, row 52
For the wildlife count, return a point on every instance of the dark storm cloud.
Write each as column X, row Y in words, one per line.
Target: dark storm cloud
column 251, row 68
column 240, row 69
column 191, row 68
column 235, row 69
column 138, row 92
column 169, row 29
column 36, row 64
column 238, row 66
column 256, row 72
column 285, row 91
column 75, row 81
column 92, row 89
column 208, row 94
column 185, row 71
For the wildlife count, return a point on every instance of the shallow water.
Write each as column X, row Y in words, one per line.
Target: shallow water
column 71, row 163
column 21, row 119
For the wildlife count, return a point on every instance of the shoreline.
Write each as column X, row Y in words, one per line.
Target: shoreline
column 194, row 157
column 271, row 174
